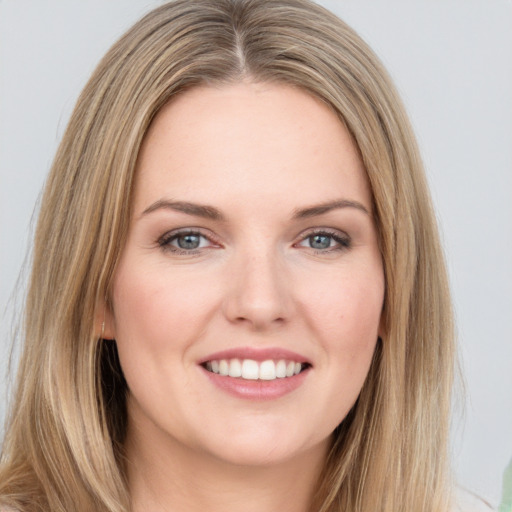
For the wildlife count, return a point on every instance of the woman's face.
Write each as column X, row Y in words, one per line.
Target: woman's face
column 247, row 301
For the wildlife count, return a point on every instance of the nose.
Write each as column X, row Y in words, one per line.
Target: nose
column 258, row 292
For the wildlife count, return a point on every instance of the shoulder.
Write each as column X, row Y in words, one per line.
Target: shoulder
column 466, row 501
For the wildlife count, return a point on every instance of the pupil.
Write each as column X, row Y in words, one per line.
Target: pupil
column 320, row 241
column 189, row 241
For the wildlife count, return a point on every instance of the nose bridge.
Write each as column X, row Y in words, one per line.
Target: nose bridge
column 258, row 291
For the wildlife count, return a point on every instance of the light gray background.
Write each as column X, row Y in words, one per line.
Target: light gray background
column 452, row 62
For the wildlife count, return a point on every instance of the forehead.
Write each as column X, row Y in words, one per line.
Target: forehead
column 251, row 141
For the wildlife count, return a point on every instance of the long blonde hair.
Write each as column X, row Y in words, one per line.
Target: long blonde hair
column 63, row 448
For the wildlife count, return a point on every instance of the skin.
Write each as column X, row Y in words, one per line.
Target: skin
column 257, row 153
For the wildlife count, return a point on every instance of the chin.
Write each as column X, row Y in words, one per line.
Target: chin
column 264, row 447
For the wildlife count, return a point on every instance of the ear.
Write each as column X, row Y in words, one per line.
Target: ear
column 104, row 324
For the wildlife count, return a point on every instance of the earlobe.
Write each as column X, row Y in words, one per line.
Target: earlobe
column 104, row 326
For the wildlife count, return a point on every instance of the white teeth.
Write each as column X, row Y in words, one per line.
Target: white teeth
column 281, row 369
column 223, row 367
column 235, row 368
column 250, row 369
column 267, row 370
column 253, row 370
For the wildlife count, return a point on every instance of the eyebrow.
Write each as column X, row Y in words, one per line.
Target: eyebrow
column 198, row 210
column 320, row 209
column 212, row 213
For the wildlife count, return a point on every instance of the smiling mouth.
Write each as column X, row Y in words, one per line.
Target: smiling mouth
column 249, row 369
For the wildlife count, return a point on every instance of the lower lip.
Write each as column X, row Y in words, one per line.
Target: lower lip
column 257, row 389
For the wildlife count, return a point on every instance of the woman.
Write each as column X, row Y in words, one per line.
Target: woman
column 238, row 297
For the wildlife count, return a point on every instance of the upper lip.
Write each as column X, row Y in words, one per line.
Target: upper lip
column 256, row 354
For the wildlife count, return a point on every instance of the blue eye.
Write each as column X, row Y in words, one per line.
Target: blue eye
column 320, row 241
column 325, row 241
column 188, row 241
column 184, row 242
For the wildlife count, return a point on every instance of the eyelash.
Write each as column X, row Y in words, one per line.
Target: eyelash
column 343, row 241
column 166, row 240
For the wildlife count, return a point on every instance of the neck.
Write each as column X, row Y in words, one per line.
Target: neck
column 173, row 477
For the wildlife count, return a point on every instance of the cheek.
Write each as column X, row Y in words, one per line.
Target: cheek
column 345, row 315
column 156, row 305
column 347, row 323
column 158, row 315
column 347, row 311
